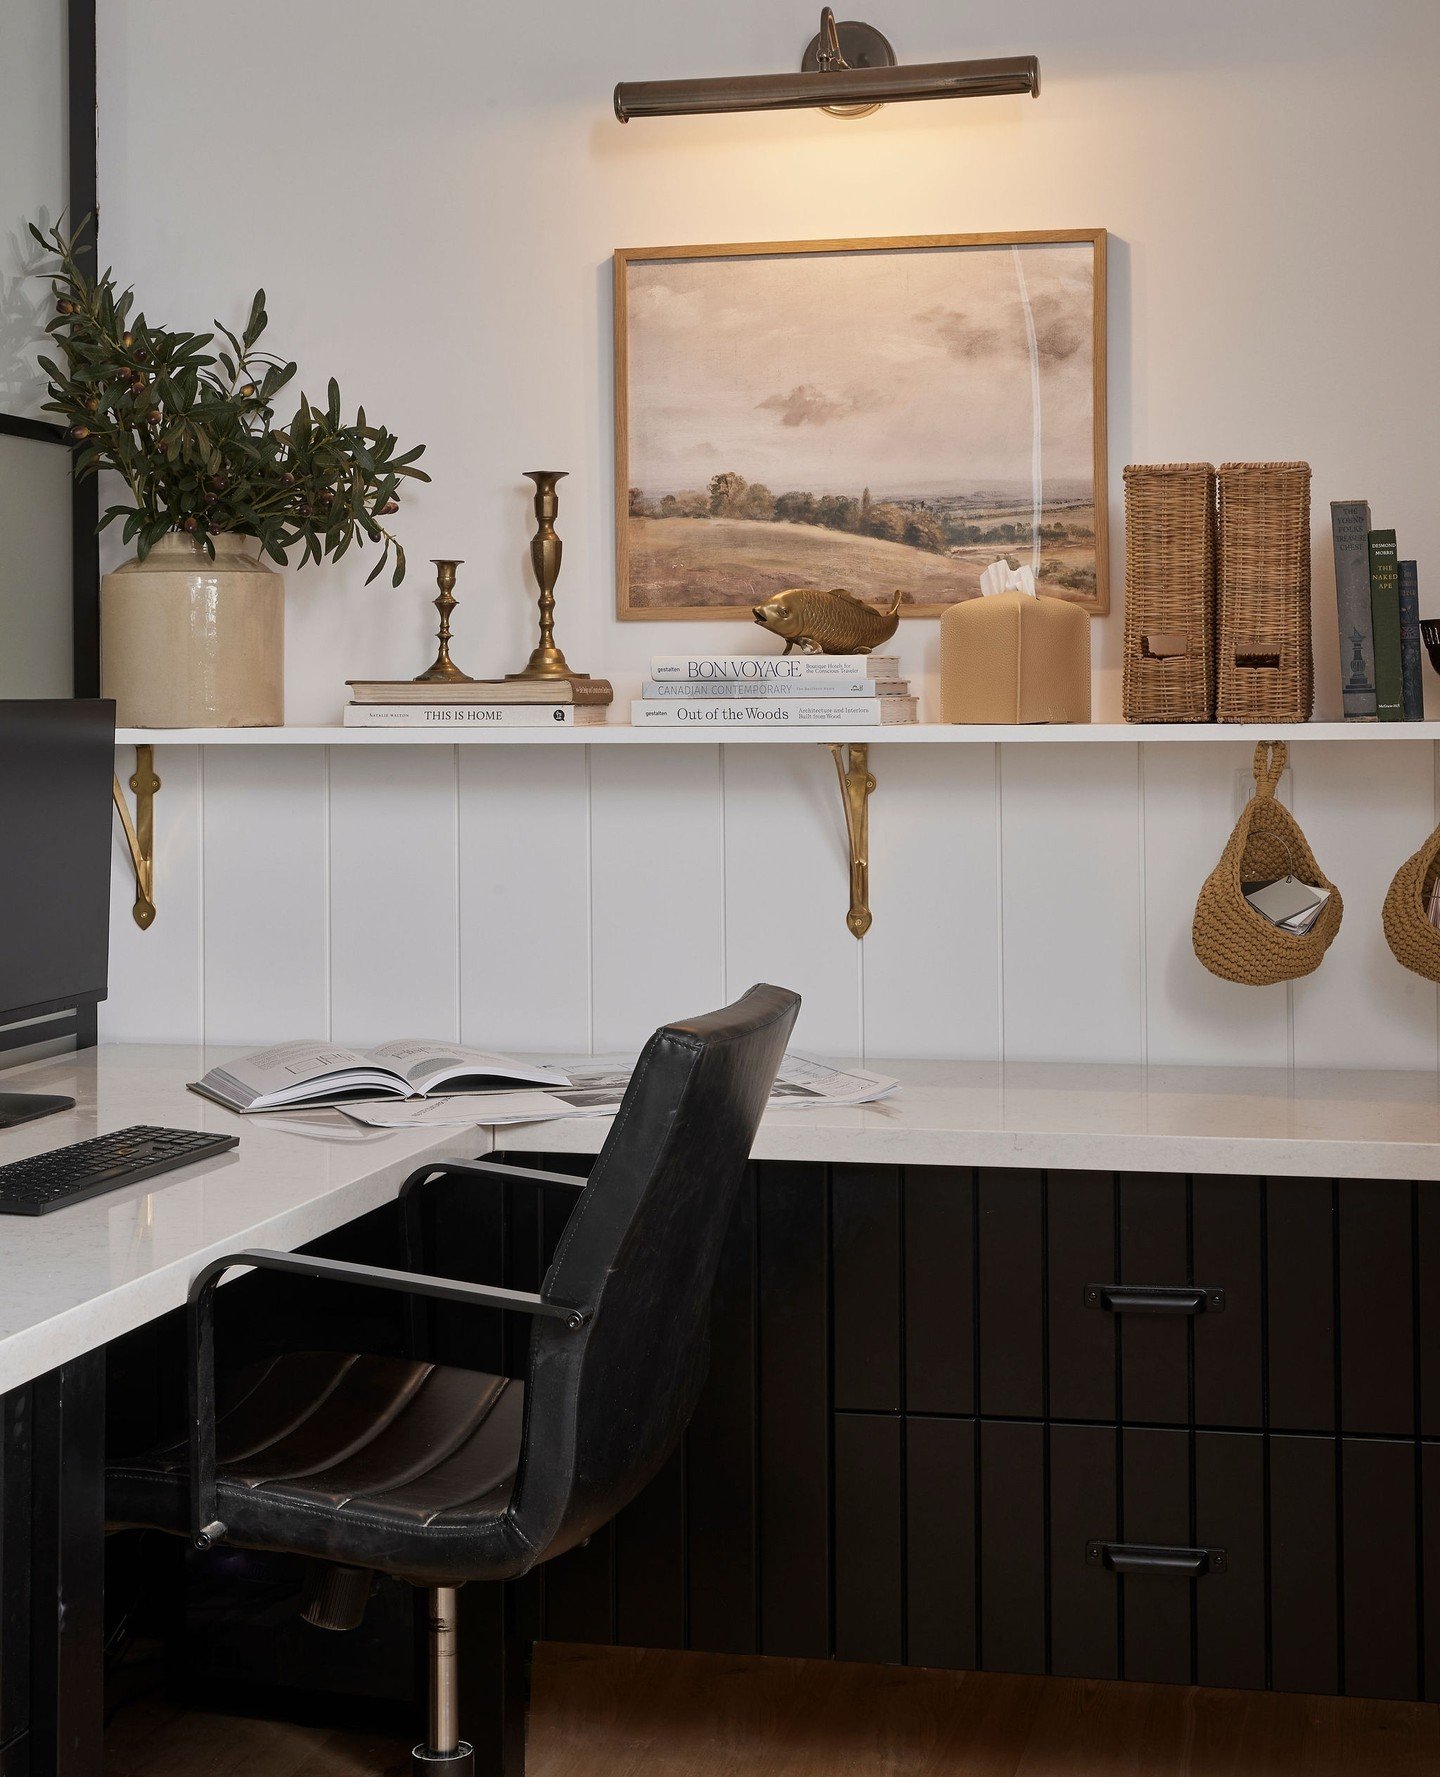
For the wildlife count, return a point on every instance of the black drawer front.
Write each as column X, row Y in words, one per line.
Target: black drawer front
column 1015, row 1293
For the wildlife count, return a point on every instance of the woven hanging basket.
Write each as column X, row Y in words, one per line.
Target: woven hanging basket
column 1415, row 942
column 1230, row 937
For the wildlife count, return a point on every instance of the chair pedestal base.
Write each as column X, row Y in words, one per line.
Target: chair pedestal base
column 460, row 1763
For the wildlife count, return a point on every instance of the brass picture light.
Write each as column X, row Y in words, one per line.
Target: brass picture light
column 848, row 69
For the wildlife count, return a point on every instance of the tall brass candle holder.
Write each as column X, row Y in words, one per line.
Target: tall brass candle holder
column 546, row 660
column 443, row 669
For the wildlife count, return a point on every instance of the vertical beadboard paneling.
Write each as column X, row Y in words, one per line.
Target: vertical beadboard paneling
column 1191, row 1015
column 156, row 977
column 787, row 887
column 1364, row 809
column 1072, row 942
column 932, row 958
column 394, row 956
column 525, row 897
column 266, row 908
column 656, row 844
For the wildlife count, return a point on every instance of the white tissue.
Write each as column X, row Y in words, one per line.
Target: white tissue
column 1001, row 577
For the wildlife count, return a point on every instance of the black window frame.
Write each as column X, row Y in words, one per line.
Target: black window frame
column 81, row 201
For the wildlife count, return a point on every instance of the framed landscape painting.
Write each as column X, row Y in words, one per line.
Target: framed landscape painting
column 875, row 415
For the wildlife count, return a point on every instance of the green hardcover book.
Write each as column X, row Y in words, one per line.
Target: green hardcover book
column 1385, row 622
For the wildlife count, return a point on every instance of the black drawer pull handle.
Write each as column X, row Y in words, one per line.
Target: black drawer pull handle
column 1162, row 1298
column 1156, row 1558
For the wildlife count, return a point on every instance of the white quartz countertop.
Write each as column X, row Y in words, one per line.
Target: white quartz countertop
column 82, row 1276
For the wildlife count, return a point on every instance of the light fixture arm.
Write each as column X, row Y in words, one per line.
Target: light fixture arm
column 829, row 55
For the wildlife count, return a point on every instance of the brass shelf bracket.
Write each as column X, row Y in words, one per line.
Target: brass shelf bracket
column 857, row 785
column 140, row 833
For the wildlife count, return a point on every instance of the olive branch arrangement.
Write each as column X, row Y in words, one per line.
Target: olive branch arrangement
column 192, row 430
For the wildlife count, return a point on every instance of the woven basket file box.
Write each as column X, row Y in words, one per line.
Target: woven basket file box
column 1015, row 658
column 1230, row 937
column 1169, row 592
column 1408, row 931
column 1266, row 672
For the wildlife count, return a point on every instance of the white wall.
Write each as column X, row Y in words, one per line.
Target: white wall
column 430, row 195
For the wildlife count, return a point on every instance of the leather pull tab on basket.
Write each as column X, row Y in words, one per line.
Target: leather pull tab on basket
column 1230, row 937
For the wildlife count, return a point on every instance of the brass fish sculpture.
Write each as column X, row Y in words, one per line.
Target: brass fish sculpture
column 816, row 622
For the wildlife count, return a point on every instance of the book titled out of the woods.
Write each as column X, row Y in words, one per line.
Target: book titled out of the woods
column 1385, row 622
column 311, row 1073
column 1350, row 530
column 1412, row 675
column 772, row 712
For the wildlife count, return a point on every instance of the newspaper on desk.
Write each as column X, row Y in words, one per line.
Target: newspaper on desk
column 597, row 1087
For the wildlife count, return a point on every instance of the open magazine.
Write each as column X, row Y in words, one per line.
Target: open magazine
column 596, row 1087
column 311, row 1073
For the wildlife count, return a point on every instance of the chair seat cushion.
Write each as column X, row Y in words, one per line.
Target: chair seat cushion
column 381, row 1462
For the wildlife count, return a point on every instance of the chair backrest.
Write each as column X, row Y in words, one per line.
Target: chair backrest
column 605, row 1405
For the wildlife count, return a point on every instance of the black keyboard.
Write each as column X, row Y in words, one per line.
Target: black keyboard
column 64, row 1176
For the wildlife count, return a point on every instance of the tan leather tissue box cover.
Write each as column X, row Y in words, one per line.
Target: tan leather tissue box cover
column 1014, row 658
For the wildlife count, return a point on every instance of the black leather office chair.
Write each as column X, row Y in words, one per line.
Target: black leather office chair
column 442, row 1476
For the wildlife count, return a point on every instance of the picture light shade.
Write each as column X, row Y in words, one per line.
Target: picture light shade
column 847, row 86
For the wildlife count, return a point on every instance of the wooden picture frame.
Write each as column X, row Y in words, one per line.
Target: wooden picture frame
column 676, row 311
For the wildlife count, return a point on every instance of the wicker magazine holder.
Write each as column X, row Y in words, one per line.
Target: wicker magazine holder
column 1266, row 671
column 1410, row 935
column 1169, row 592
column 1230, row 937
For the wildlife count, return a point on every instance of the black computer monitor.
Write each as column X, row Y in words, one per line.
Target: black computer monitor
column 57, row 762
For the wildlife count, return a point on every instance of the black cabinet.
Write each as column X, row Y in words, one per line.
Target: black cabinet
column 1101, row 1425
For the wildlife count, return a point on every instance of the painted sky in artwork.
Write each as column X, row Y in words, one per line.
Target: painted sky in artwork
column 904, row 370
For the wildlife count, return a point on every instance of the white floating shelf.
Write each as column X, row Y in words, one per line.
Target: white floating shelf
column 620, row 734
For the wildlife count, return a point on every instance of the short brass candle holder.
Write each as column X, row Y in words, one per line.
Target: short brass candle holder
column 443, row 670
column 546, row 660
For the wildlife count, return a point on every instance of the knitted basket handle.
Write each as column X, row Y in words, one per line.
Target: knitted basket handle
column 1271, row 758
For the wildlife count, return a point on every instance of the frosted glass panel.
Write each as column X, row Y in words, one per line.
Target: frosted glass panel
column 35, row 623
column 33, row 175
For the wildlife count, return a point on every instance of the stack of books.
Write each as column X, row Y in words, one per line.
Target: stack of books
column 731, row 691
column 1378, row 600
column 478, row 703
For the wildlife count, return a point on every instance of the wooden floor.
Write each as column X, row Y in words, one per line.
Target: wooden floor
column 603, row 1712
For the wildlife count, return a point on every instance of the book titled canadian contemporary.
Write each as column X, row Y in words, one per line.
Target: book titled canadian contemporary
column 1350, row 531
column 752, row 669
column 314, row 1073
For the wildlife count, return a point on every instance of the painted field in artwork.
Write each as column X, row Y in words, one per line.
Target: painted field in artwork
column 880, row 419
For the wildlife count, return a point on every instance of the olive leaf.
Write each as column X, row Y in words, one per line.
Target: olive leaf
column 192, row 430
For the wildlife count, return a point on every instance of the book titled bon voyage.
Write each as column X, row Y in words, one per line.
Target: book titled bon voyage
column 722, row 713
column 757, row 668
column 312, row 1073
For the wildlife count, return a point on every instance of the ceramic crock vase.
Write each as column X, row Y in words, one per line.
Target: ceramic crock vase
column 187, row 642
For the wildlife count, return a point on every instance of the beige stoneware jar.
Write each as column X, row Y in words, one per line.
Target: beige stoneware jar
column 187, row 642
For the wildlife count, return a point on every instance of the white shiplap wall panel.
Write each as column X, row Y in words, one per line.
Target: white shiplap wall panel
column 656, row 912
column 157, row 977
column 1071, row 885
column 394, row 950
column 932, row 957
column 1190, row 1015
column 525, row 897
column 267, row 912
column 786, row 865
column 1364, row 810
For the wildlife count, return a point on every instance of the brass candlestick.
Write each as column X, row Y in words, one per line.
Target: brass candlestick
column 444, row 670
column 546, row 661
